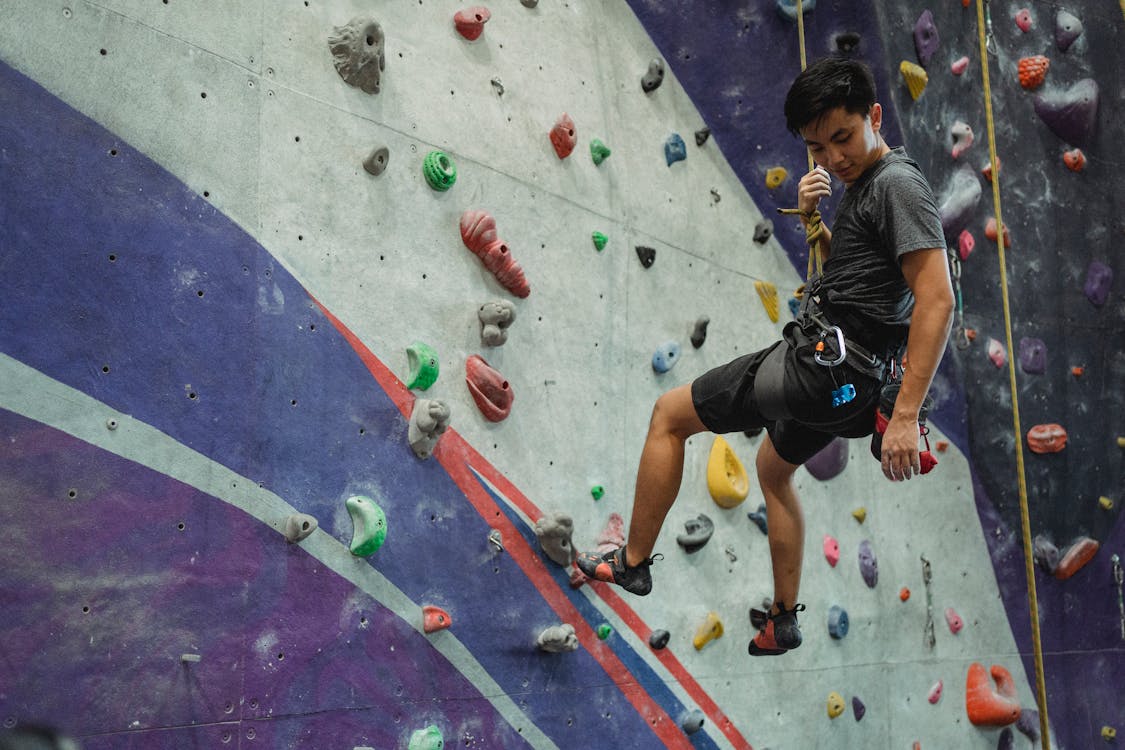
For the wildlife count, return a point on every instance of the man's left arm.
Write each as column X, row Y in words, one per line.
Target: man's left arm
column 927, row 275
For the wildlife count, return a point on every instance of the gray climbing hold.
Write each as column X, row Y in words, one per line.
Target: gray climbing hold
column 692, row 721
column 666, row 356
column 1046, row 554
column 428, row 420
column 788, row 8
column 763, row 230
column 674, row 149
column 698, row 532
column 1028, row 723
column 377, row 160
column 558, row 639
column 1071, row 114
column 858, row 709
column 659, row 639
column 357, row 51
column 298, row 526
column 837, row 622
column 926, row 38
column 699, row 333
column 702, row 135
column 554, row 533
column 647, row 255
column 495, row 317
column 529, row 3
column 759, row 518
column 962, row 197
column 1067, row 28
column 868, row 565
column 1099, row 278
column 1033, row 356
column 830, row 461
column 654, row 76
column 847, row 42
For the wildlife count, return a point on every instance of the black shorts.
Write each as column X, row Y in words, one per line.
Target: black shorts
column 724, row 400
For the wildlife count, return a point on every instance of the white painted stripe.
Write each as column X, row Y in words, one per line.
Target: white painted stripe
column 32, row 394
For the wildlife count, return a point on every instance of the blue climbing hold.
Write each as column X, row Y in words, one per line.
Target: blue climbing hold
column 666, row 356
column 674, row 149
column 837, row 622
column 794, row 306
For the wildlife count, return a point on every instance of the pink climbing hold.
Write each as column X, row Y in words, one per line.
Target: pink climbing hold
column 563, row 135
column 470, row 21
column 953, row 620
column 935, row 692
column 612, row 536
column 491, row 392
column 831, row 550
column 962, row 136
column 959, row 66
column 965, row 244
column 1023, row 20
column 435, row 618
column 478, row 232
column 997, row 353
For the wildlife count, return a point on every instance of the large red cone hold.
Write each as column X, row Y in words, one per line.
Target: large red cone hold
column 478, row 232
column 987, row 706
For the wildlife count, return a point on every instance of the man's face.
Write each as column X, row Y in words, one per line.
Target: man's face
column 844, row 143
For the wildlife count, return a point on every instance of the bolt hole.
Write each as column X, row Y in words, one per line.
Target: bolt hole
column 102, row 52
column 105, row 369
column 181, row 526
column 72, row 494
column 112, row 258
column 85, row 610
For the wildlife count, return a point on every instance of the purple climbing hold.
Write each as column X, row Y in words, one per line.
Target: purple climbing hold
column 925, row 38
column 830, row 461
column 1071, row 114
column 1099, row 277
column 1007, row 740
column 1067, row 28
column 1028, row 723
column 858, row 708
column 868, row 565
column 1033, row 356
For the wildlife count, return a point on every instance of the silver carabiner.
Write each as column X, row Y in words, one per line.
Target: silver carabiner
column 840, row 348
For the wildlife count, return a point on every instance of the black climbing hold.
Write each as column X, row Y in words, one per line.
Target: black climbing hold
column 759, row 518
column 847, row 42
column 763, row 230
column 699, row 334
column 698, row 532
column 654, row 77
column 647, row 255
column 659, row 639
column 692, row 721
column 702, row 135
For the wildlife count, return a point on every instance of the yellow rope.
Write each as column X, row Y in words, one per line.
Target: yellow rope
column 1025, row 521
column 813, row 238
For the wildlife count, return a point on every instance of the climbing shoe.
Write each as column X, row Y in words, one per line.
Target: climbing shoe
column 887, row 398
column 780, row 633
column 611, row 568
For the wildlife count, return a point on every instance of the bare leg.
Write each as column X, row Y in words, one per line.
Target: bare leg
column 786, row 522
column 661, row 469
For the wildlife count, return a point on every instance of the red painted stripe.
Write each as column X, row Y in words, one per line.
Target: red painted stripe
column 455, row 456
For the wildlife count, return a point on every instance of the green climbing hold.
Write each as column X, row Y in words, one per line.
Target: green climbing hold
column 597, row 491
column 600, row 240
column 423, row 361
column 427, row 739
column 439, row 170
column 369, row 525
column 599, row 151
column 604, row 631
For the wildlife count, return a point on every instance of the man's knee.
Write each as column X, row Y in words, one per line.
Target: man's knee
column 674, row 413
column 773, row 470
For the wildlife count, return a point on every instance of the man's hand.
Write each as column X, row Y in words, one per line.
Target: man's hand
column 812, row 187
column 900, row 449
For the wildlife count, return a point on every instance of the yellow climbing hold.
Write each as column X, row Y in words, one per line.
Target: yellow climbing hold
column 835, row 704
column 726, row 476
column 775, row 176
column 860, row 514
column 915, row 77
column 711, row 629
column 1106, row 502
column 1121, row 442
column 768, row 292
column 1109, row 733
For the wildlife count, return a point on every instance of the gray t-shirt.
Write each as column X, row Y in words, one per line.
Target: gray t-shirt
column 888, row 212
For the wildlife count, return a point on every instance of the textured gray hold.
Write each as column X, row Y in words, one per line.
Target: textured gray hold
column 357, row 51
column 428, row 420
column 377, row 160
column 554, row 533
column 763, row 230
column 962, row 197
column 558, row 639
column 699, row 333
column 529, row 3
column 298, row 526
column 698, row 532
column 659, row 639
column 692, row 721
column 702, row 135
column 495, row 317
column 1068, row 27
column 1046, row 554
column 654, row 76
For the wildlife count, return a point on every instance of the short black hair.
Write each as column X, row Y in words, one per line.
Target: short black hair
column 828, row 83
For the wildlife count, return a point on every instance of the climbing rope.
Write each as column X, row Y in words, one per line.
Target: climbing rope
column 814, row 229
column 1025, row 521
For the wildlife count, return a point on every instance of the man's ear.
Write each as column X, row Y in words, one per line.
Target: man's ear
column 876, row 117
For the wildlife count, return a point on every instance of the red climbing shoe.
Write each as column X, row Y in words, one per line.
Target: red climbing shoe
column 780, row 633
column 611, row 568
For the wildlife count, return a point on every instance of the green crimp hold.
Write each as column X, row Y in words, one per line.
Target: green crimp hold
column 369, row 525
column 604, row 630
column 440, row 171
column 426, row 739
column 423, row 362
column 597, row 491
column 599, row 151
column 600, row 240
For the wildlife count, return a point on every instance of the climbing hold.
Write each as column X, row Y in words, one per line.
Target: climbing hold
column 988, row 706
column 674, row 149
column 1046, row 438
column 554, row 533
column 422, row 361
column 428, row 420
column 426, row 739
column 478, row 232
column 1078, row 371
column 191, row 658
column 858, row 709
column 794, row 307
column 529, row 3
column 965, row 244
column 997, row 353
column 692, row 721
column 298, row 526
column 1071, row 114
column 726, row 476
column 600, row 241
column 935, row 692
column 1033, row 356
column 763, row 230
column 1046, row 554
column 491, row 392
column 831, row 550
column 1109, row 733
column 1028, row 723
column 990, row 232
column 835, row 704
column 1032, row 71
column 953, row 620
column 962, row 196
column 557, row 639
column 439, row 170
column 699, row 332
column 495, row 317
column 604, row 631
column 767, row 292
column 847, row 42
column 1106, row 503
column 659, row 639
column 1074, row 160
column 860, row 514
column 959, row 66
column 654, row 76
column 435, row 619
column 498, row 85
column 1007, row 740
column 697, row 532
column 563, row 135
column 941, row 446
column 868, row 565
column 702, row 135
column 759, row 518
column 915, row 77
column 647, row 255
column 597, row 492
column 1023, row 20
column 903, row 594
column 1099, row 278
column 1121, row 442
column 775, row 176
column 926, row 39
column 369, row 525
column 830, row 461
column 612, row 535
column 788, row 8
column 377, row 160
column 1076, row 557
column 666, row 356
column 962, row 136
column 599, row 152
column 709, row 630
column 470, row 21
column 357, row 52
column 837, row 621
column 1067, row 29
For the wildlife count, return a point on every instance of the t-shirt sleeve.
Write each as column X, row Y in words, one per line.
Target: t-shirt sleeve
column 908, row 219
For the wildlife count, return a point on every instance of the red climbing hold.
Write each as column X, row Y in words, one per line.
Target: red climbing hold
column 987, row 706
column 1046, row 438
column 470, row 21
column 1032, row 71
column 490, row 391
column 1075, row 160
column 1023, row 20
column 563, row 135
column 478, row 232
column 435, row 618
column 987, row 169
column 965, row 244
column 990, row 232
column 1075, row 557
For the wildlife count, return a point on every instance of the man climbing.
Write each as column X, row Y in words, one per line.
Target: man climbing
column 885, row 284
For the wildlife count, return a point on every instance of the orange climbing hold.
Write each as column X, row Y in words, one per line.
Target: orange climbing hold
column 1076, row 556
column 987, row 169
column 435, row 618
column 1074, row 160
column 904, row 594
column 1078, row 371
column 1046, row 438
column 985, row 705
column 941, row 446
column 990, row 232
column 1032, row 71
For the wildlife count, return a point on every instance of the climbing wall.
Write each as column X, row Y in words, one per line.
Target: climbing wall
column 209, row 302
